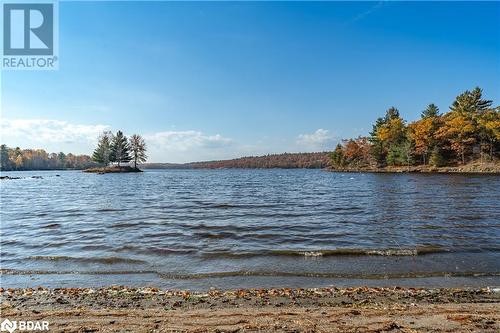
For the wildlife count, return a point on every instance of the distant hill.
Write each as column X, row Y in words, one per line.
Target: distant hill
column 163, row 166
column 281, row 161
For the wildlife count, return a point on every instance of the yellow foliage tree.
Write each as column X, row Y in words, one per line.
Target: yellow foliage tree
column 458, row 131
column 392, row 131
column 489, row 128
column 422, row 134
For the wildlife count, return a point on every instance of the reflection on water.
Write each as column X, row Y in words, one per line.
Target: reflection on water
column 201, row 224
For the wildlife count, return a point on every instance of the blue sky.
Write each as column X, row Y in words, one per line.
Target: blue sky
column 220, row 80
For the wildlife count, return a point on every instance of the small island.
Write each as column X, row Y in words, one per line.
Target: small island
column 117, row 148
column 113, row 169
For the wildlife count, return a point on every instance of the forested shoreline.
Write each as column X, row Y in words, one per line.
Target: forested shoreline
column 17, row 159
column 271, row 161
column 468, row 132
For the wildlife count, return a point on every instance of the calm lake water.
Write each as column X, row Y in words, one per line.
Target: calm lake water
column 249, row 228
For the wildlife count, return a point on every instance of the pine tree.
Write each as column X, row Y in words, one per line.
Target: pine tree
column 337, row 156
column 431, row 111
column 120, row 149
column 391, row 113
column 437, row 158
column 461, row 129
column 138, row 149
column 5, row 164
column 102, row 154
column 470, row 102
column 377, row 149
column 401, row 153
column 61, row 160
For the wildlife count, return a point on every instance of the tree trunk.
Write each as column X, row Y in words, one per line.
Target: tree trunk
column 491, row 150
column 481, row 151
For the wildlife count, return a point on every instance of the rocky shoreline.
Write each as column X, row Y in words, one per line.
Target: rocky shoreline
column 333, row 309
column 14, row 178
column 473, row 168
column 113, row 169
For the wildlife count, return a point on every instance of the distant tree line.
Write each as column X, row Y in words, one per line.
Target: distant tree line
column 284, row 161
column 117, row 148
column 469, row 131
column 12, row 159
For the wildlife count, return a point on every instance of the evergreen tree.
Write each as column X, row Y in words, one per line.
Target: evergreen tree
column 5, row 164
column 437, row 159
column 17, row 158
column 102, row 153
column 479, row 104
column 461, row 130
column 391, row 113
column 377, row 149
column 387, row 132
column 61, row 160
column 401, row 153
column 338, row 156
column 120, row 149
column 431, row 111
column 470, row 102
column 138, row 149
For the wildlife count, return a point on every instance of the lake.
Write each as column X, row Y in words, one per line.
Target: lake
column 240, row 228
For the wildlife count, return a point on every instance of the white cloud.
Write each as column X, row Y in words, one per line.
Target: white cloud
column 188, row 146
column 166, row 146
column 49, row 131
column 321, row 138
column 186, row 140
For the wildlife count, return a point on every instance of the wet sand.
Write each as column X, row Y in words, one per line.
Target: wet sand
column 250, row 310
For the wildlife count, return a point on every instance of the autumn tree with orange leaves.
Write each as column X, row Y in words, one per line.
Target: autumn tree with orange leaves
column 422, row 132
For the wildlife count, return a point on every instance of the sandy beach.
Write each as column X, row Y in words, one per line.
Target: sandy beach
column 265, row 310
